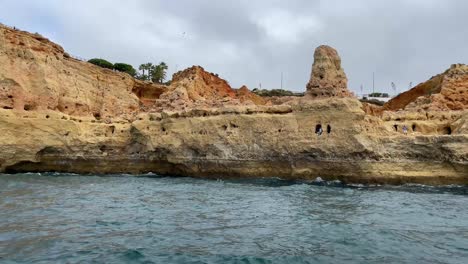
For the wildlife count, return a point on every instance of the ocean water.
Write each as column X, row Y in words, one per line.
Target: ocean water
column 63, row 218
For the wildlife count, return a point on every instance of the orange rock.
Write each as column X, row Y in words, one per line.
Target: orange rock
column 196, row 88
column 446, row 91
column 244, row 95
column 37, row 75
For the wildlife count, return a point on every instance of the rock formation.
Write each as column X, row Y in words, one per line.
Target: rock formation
column 446, row 91
column 37, row 75
column 61, row 114
column 328, row 78
column 195, row 87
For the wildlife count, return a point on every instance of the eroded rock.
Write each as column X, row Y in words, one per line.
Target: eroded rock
column 328, row 78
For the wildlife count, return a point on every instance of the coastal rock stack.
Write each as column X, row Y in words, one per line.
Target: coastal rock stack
column 328, row 78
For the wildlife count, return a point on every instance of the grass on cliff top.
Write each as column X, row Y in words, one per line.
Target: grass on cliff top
column 275, row 92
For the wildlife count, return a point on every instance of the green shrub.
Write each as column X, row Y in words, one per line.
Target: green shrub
column 275, row 92
column 102, row 63
column 378, row 95
column 123, row 67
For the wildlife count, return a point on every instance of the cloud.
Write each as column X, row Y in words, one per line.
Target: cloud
column 253, row 42
column 282, row 26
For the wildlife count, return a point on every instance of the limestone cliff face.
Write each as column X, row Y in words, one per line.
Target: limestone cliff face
column 61, row 114
column 328, row 78
column 268, row 141
column 446, row 91
column 37, row 75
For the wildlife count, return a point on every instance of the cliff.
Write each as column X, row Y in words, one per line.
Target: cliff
column 196, row 88
column 61, row 114
column 445, row 91
column 37, row 75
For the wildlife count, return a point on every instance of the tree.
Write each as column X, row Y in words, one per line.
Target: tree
column 102, row 63
column 123, row 67
column 145, row 67
column 158, row 72
column 154, row 73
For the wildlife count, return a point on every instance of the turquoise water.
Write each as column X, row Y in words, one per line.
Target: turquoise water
column 58, row 218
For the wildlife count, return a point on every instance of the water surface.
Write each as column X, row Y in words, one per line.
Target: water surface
column 60, row 218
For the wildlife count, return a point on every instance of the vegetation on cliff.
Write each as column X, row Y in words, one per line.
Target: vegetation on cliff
column 102, row 63
column 123, row 67
column 151, row 72
column 380, row 95
column 275, row 92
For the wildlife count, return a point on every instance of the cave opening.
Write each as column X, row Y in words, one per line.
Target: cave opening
column 97, row 116
column 318, row 129
column 447, row 131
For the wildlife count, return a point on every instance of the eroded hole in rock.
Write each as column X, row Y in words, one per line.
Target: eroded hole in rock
column 47, row 116
column 7, row 107
column 413, row 127
column 97, row 116
column 163, row 129
column 28, row 107
column 225, row 127
column 234, row 125
column 49, row 151
column 10, row 96
column 447, row 131
column 318, row 128
column 395, row 127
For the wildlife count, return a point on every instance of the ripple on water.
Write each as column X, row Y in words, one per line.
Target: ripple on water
column 150, row 219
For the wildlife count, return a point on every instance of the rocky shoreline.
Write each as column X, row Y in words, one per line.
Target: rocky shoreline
column 60, row 114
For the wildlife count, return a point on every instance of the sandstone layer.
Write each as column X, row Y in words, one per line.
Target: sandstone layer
column 85, row 119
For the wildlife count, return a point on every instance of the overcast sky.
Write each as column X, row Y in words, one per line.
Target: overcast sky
column 253, row 41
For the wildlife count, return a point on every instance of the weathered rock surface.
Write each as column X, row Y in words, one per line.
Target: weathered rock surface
column 199, row 126
column 446, row 91
column 328, row 78
column 195, row 87
column 37, row 75
column 236, row 143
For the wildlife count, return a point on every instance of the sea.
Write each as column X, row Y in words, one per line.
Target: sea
column 68, row 218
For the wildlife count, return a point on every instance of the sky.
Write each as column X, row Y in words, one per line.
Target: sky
column 253, row 42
